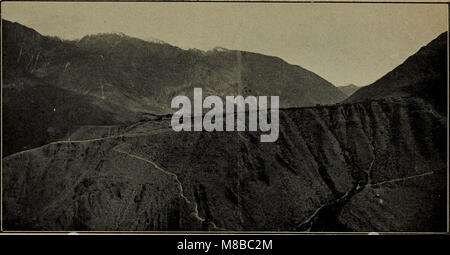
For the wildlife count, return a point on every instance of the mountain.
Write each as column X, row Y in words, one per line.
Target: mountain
column 372, row 166
column 422, row 74
column 349, row 89
column 375, row 164
column 125, row 78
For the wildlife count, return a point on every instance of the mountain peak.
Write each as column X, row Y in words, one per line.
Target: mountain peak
column 424, row 74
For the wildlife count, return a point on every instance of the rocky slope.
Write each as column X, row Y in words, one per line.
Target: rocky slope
column 121, row 77
column 374, row 166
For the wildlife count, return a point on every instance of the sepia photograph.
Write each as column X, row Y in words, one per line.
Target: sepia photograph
column 224, row 117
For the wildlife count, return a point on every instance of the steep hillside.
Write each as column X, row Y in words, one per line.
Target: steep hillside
column 115, row 71
column 374, row 166
column 36, row 113
column 424, row 74
column 145, row 76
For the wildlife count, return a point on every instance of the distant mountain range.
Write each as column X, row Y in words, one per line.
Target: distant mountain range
column 121, row 78
column 349, row 89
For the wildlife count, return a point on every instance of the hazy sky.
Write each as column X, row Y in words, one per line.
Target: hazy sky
column 343, row 43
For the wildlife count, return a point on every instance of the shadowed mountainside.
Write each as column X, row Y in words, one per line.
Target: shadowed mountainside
column 375, row 166
column 123, row 77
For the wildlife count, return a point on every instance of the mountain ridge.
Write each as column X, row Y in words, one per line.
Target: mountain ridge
column 101, row 43
column 376, row 164
column 129, row 78
column 421, row 74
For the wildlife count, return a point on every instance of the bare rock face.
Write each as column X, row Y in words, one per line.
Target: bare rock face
column 374, row 166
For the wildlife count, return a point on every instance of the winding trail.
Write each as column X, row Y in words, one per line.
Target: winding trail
column 180, row 187
column 156, row 131
column 403, row 179
column 349, row 194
